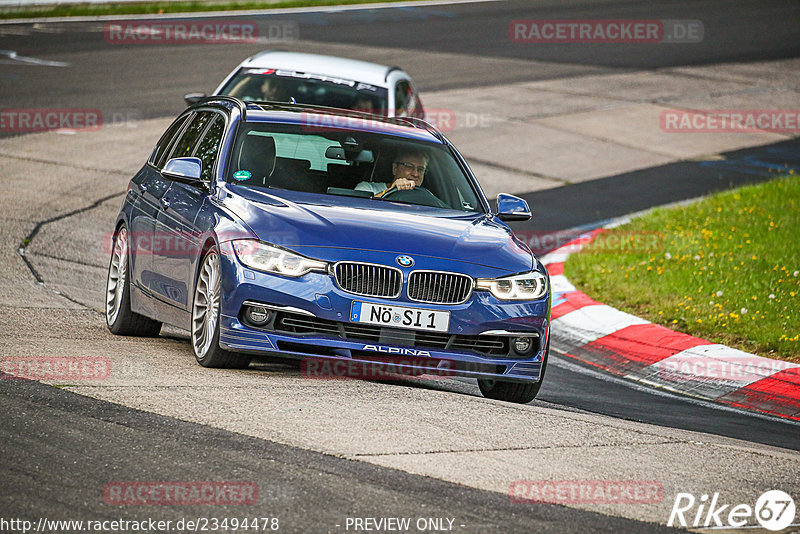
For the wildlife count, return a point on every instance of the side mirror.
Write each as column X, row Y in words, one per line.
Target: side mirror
column 511, row 208
column 185, row 170
column 193, row 98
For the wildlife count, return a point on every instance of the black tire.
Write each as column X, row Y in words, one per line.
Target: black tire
column 206, row 351
column 119, row 317
column 519, row 392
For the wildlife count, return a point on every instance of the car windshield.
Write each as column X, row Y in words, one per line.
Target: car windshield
column 349, row 163
column 283, row 85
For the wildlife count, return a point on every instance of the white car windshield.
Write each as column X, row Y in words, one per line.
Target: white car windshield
column 284, row 85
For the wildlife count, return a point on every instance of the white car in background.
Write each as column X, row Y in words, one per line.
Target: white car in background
column 322, row 81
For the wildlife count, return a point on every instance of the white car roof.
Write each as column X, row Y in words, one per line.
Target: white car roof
column 335, row 67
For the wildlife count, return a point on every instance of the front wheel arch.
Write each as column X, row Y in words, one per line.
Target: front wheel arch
column 518, row 392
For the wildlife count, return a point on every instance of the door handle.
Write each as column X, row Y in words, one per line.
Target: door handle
column 142, row 188
column 164, row 203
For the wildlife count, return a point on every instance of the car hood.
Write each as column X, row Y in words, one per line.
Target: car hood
column 334, row 228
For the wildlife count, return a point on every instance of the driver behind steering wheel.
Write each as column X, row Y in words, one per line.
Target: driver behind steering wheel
column 408, row 170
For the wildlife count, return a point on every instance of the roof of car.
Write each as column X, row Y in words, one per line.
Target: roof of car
column 325, row 118
column 334, row 119
column 335, row 67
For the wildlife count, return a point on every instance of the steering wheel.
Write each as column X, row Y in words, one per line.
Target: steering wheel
column 418, row 195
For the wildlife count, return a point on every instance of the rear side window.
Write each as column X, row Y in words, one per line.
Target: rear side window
column 188, row 140
column 402, row 95
column 415, row 106
column 160, row 153
column 208, row 149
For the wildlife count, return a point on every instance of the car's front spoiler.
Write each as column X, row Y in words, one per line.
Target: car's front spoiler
column 363, row 357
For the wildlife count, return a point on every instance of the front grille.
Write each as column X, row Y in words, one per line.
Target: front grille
column 361, row 332
column 369, row 280
column 439, row 288
column 304, row 325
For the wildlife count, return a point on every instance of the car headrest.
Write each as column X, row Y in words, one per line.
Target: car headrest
column 257, row 156
column 382, row 169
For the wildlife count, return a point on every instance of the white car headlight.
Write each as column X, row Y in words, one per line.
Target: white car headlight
column 269, row 258
column 528, row 286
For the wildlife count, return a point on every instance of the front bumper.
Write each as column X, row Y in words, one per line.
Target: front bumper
column 310, row 320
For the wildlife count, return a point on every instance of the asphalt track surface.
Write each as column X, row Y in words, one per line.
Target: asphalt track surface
column 308, row 491
column 149, row 83
column 105, row 75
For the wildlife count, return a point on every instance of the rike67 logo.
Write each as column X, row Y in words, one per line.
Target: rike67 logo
column 774, row 510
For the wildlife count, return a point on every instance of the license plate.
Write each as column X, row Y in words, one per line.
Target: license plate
column 399, row 316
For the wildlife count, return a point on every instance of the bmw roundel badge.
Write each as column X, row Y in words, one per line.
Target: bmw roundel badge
column 404, row 261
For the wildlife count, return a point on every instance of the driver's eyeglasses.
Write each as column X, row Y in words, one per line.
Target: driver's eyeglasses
column 410, row 166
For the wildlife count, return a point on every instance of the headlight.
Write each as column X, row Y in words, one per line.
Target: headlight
column 271, row 259
column 528, row 286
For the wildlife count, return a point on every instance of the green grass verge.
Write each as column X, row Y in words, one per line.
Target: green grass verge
column 726, row 268
column 144, row 8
